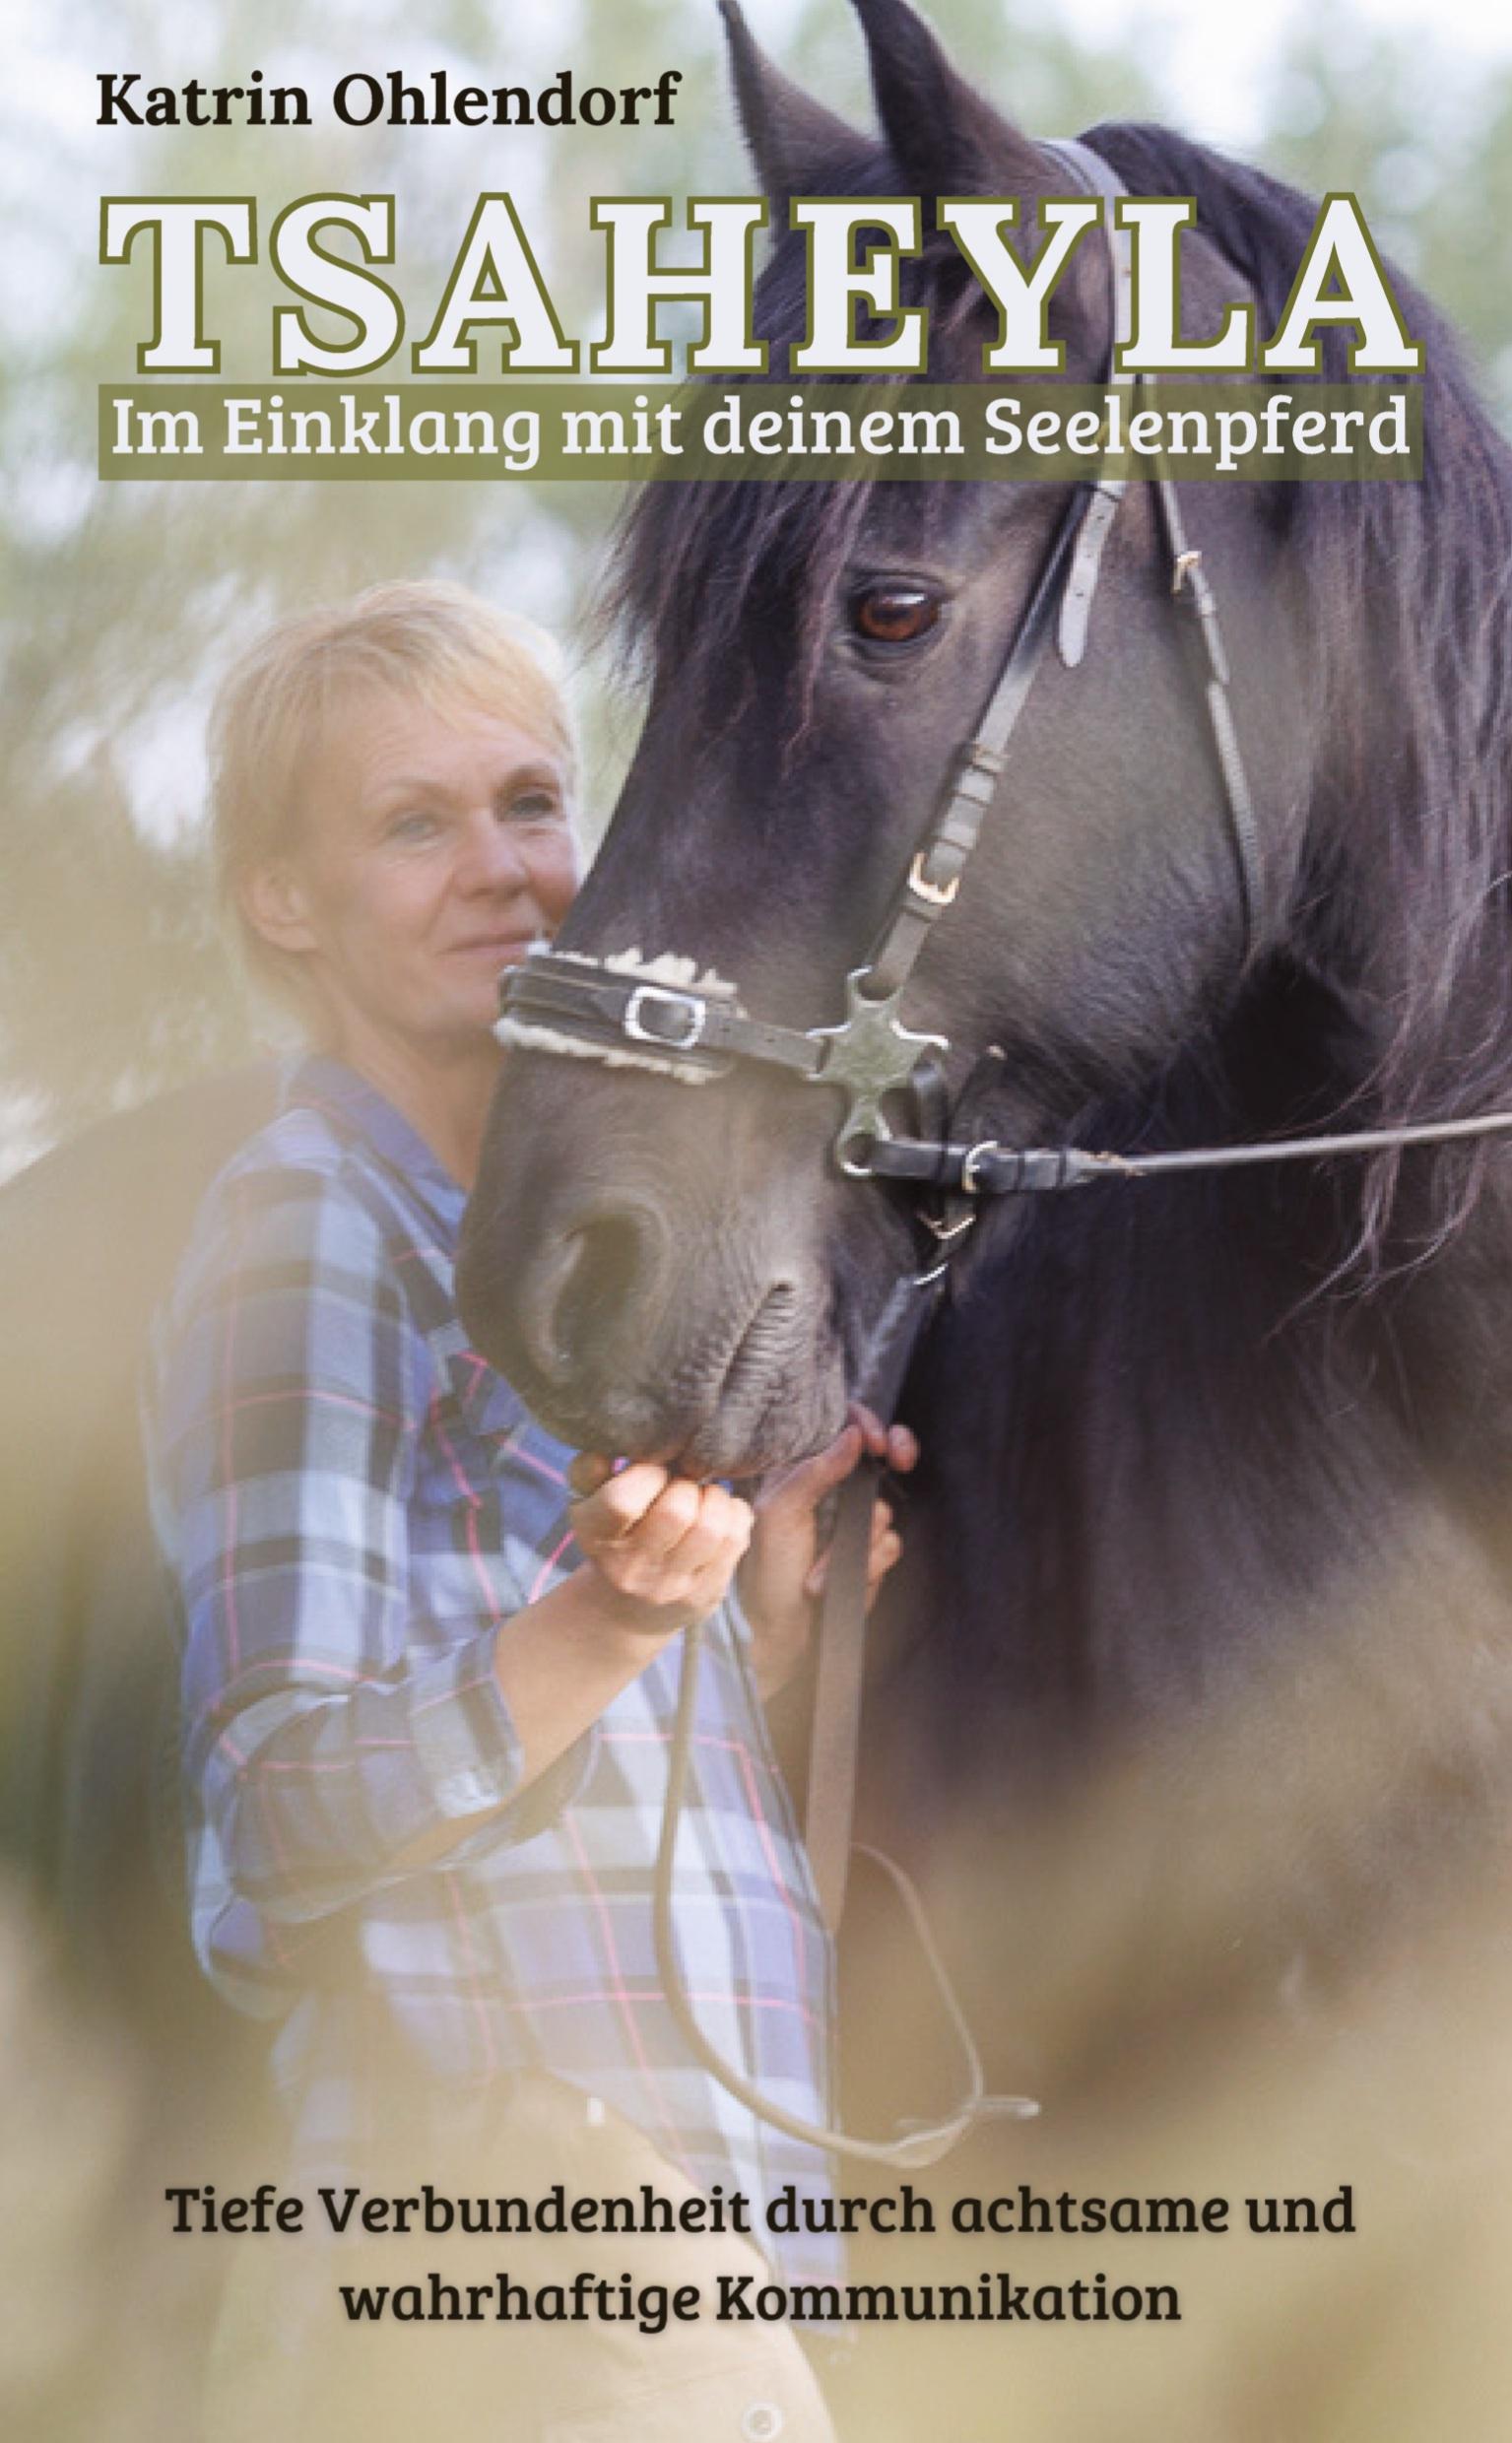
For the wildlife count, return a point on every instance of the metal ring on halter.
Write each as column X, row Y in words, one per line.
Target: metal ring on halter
column 970, row 1165
column 852, row 1168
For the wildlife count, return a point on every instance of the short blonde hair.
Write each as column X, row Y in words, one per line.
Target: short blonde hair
column 422, row 637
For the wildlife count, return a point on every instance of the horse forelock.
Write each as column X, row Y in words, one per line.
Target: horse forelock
column 691, row 560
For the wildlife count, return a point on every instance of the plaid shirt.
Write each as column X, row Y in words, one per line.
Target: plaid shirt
column 353, row 1501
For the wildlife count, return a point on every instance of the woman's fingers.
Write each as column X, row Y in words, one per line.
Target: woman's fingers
column 895, row 1445
column 615, row 1507
column 715, row 1546
column 671, row 1542
column 587, row 1472
column 887, row 1548
column 873, row 1433
column 664, row 1523
column 798, row 1494
column 902, row 1450
column 662, row 1538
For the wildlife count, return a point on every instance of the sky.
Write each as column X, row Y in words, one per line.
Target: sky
column 1215, row 49
column 1213, row 52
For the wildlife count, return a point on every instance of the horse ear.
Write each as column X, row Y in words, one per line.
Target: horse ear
column 794, row 143
column 944, row 137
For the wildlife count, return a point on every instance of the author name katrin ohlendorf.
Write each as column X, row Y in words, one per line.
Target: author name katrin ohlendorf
column 435, row 98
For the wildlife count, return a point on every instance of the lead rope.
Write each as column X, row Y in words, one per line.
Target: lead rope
column 988, row 1168
column 831, row 1792
column 925, row 2143
column 840, row 1634
column 834, row 1733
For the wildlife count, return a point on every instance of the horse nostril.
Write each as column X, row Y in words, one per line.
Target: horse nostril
column 597, row 1272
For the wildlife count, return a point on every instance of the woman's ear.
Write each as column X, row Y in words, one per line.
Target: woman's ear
column 275, row 904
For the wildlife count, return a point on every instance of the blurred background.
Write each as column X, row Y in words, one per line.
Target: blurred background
column 124, row 602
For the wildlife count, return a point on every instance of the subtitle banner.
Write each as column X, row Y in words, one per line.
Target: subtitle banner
column 1233, row 430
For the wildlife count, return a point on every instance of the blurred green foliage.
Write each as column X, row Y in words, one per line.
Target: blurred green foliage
column 123, row 603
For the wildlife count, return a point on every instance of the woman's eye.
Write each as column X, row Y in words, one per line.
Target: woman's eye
column 534, row 806
column 412, row 827
column 893, row 613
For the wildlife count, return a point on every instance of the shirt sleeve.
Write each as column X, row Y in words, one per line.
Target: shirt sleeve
column 322, row 1736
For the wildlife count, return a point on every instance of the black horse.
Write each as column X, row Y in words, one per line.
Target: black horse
column 1200, row 1658
column 1166, row 1426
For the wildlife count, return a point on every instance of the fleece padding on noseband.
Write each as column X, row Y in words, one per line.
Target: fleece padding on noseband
column 667, row 967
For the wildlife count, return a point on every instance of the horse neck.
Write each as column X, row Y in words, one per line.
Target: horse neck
column 1158, row 1427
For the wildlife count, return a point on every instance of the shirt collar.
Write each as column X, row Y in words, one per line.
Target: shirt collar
column 358, row 1110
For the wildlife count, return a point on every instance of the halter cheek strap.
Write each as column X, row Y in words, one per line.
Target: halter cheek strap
column 1090, row 171
column 1190, row 587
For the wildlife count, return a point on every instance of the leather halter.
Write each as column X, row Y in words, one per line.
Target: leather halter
column 628, row 1011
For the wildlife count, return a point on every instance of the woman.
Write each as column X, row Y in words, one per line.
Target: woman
column 431, row 1659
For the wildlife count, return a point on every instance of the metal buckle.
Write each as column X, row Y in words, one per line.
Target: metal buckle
column 946, row 1233
column 664, row 996
column 935, row 894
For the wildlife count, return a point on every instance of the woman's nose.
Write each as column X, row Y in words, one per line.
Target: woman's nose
column 492, row 857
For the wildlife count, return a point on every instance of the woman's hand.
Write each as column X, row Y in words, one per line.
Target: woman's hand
column 665, row 1547
column 783, row 1574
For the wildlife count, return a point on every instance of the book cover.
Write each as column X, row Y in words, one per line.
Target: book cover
column 994, row 805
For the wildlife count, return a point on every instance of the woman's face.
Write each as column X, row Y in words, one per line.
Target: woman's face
column 433, row 846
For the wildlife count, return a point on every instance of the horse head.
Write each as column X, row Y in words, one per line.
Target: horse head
column 689, row 1274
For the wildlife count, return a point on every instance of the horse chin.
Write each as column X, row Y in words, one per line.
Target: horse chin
column 736, row 1444
column 757, row 1421
column 748, row 1421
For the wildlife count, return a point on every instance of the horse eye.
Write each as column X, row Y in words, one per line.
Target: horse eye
column 893, row 613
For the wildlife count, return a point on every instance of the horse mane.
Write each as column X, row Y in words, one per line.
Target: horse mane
column 1398, row 943
column 1403, row 909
